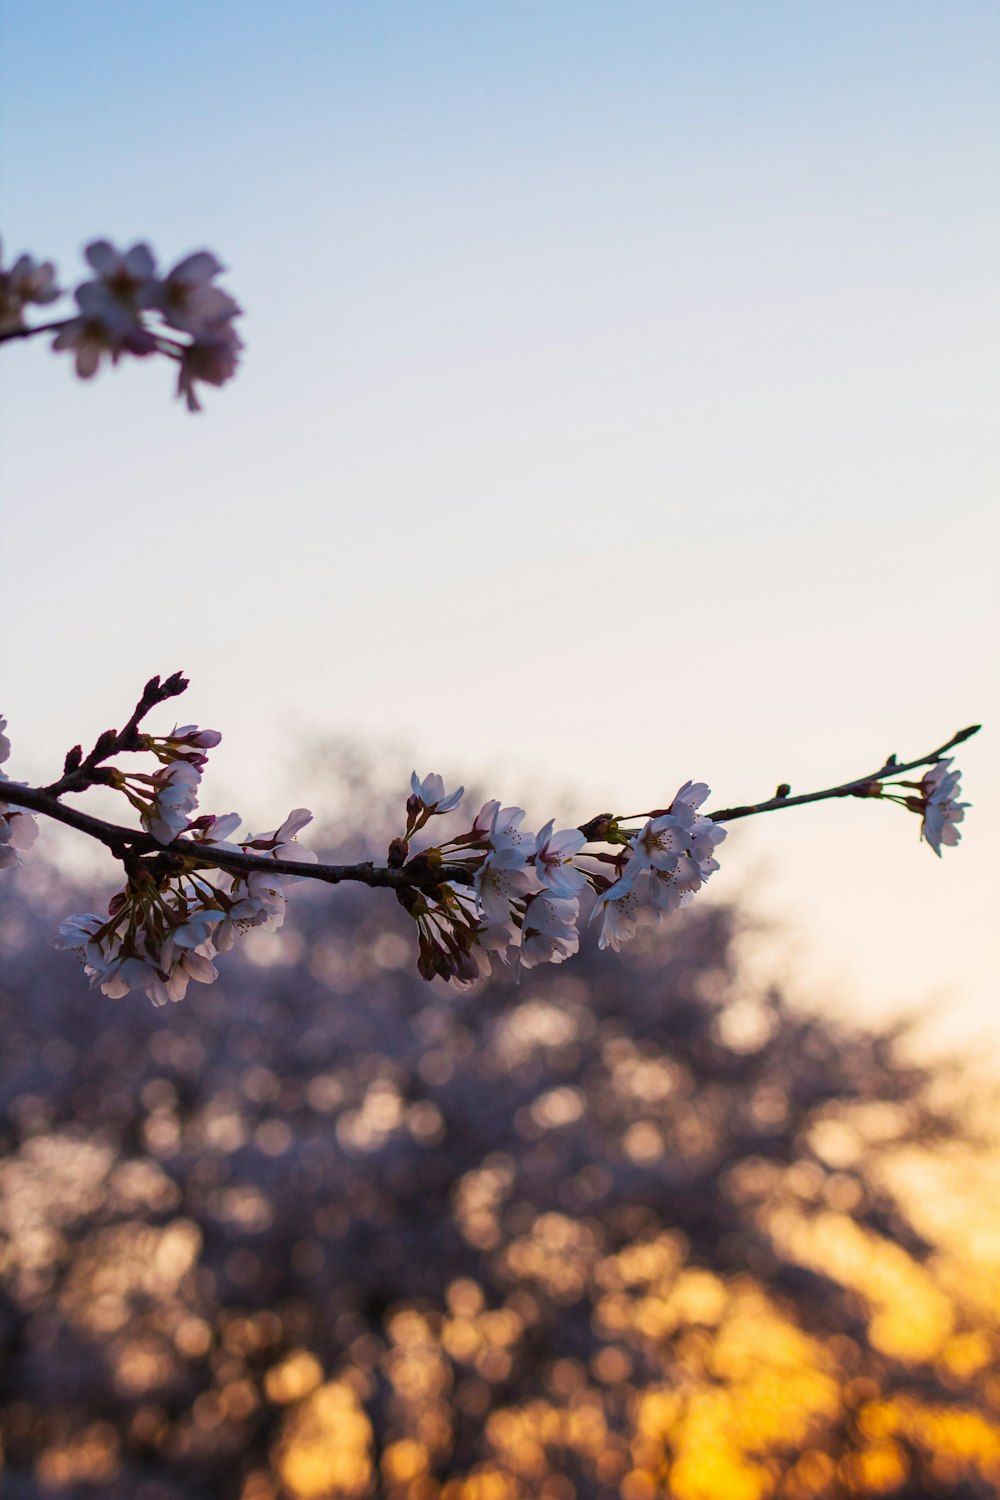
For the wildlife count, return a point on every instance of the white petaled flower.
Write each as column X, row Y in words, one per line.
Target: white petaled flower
column 941, row 813
column 431, row 795
column 187, row 954
column 214, row 829
column 669, row 890
column 507, row 832
column 265, row 902
column 183, row 968
column 549, row 933
column 677, row 851
column 101, row 959
column 77, row 932
column 554, row 854
column 689, row 798
column 482, row 827
column 211, row 357
column 622, row 910
column 660, row 843
column 185, row 738
column 283, row 843
column 500, row 880
column 195, row 932
column 491, row 944
column 135, row 973
column 262, row 905
column 175, row 799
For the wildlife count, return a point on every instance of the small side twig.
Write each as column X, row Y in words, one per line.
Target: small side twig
column 80, row 774
column 863, row 786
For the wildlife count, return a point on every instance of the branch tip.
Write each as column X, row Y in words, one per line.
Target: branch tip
column 106, row 745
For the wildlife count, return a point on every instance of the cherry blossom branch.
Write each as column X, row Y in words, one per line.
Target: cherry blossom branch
column 864, row 786
column 172, row 858
column 493, row 893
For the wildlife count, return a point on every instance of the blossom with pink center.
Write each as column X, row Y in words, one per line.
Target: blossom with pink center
column 554, row 854
column 659, row 843
column 667, row 845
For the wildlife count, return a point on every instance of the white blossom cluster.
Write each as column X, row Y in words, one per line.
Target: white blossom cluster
column 18, row 828
column 510, row 895
column 160, row 935
column 128, row 307
column 166, row 800
column 668, row 861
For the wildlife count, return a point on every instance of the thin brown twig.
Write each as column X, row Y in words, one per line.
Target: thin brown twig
column 26, row 333
column 861, row 787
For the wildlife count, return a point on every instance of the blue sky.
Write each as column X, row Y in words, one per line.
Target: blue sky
column 619, row 405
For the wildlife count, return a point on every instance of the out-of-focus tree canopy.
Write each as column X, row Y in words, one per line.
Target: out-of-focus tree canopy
column 323, row 1230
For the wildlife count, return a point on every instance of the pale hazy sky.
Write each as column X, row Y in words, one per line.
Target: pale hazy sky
column 619, row 406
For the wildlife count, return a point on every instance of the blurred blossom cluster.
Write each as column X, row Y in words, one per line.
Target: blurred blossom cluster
column 27, row 281
column 129, row 307
column 624, row 1231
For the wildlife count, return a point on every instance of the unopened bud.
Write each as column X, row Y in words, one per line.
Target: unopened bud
column 398, row 851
